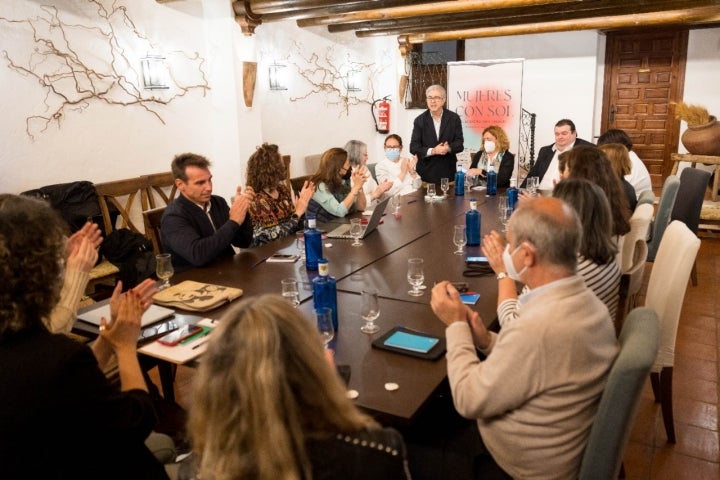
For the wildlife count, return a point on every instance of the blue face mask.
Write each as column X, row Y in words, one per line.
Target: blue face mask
column 392, row 153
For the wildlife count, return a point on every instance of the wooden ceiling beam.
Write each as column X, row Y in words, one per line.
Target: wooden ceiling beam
column 687, row 17
column 420, row 10
column 289, row 9
column 509, row 17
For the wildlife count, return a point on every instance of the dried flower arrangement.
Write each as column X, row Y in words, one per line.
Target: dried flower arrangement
column 694, row 115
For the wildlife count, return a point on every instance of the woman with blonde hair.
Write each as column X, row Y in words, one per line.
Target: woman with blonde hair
column 494, row 151
column 338, row 187
column 268, row 405
column 620, row 162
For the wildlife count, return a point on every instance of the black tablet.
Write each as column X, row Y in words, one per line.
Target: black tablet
column 410, row 342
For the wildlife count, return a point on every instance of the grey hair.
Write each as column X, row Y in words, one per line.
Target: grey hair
column 556, row 237
column 436, row 87
column 354, row 149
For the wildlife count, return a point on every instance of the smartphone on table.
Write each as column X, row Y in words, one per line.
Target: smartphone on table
column 476, row 260
column 173, row 338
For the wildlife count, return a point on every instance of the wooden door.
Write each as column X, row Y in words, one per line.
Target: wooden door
column 644, row 73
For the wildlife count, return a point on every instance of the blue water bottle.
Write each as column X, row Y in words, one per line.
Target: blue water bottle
column 472, row 224
column 325, row 291
column 512, row 196
column 459, row 181
column 491, row 181
column 313, row 244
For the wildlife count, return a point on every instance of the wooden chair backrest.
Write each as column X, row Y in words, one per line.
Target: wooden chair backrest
column 159, row 186
column 286, row 162
column 297, row 183
column 152, row 219
column 122, row 194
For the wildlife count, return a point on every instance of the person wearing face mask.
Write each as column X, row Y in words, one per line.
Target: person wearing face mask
column 358, row 156
column 338, row 187
column 400, row 171
column 557, row 352
column 494, row 151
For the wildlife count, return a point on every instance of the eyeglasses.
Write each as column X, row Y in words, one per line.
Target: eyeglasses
column 434, row 99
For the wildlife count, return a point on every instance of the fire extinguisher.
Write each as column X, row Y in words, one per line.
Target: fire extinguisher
column 382, row 118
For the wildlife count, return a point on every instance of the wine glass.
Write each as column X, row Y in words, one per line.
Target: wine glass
column 164, row 269
column 356, row 231
column 325, row 325
column 369, row 311
column 444, row 186
column 459, row 239
column 290, row 291
column 415, row 276
column 504, row 212
column 532, row 185
column 300, row 244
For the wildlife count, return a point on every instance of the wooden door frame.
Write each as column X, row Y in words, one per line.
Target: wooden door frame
column 673, row 135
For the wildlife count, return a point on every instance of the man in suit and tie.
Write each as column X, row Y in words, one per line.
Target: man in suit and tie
column 546, row 165
column 437, row 137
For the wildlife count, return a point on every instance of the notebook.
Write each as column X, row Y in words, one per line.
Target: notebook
column 153, row 314
column 343, row 231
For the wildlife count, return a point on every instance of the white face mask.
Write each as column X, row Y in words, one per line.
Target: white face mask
column 489, row 146
column 510, row 266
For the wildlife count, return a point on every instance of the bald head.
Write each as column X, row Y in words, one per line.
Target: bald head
column 552, row 226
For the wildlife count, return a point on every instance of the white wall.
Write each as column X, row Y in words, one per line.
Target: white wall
column 562, row 78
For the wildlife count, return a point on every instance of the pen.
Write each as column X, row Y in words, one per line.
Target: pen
column 201, row 343
column 259, row 262
column 411, row 201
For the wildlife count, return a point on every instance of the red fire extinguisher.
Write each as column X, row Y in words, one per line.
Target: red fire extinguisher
column 382, row 118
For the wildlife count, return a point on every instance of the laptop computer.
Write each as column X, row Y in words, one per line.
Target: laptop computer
column 153, row 314
column 343, row 231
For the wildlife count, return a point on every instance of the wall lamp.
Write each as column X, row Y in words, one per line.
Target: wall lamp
column 154, row 72
column 353, row 81
column 277, row 77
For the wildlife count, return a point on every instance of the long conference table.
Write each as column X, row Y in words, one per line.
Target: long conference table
column 422, row 229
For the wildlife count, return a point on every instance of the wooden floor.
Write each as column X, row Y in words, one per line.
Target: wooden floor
column 696, row 455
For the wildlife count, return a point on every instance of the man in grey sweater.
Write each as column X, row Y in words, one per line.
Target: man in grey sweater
column 536, row 394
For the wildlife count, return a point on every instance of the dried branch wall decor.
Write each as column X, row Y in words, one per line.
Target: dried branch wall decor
column 97, row 60
column 328, row 75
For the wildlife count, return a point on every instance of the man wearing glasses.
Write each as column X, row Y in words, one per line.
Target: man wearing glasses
column 436, row 138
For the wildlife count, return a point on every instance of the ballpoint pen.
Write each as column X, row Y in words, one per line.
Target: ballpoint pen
column 259, row 262
column 411, row 201
column 201, row 343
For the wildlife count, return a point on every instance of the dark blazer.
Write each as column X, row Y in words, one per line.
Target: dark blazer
column 60, row 417
column 507, row 165
column 545, row 156
column 189, row 236
column 434, row 167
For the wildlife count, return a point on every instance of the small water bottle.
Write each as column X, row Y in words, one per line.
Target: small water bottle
column 325, row 291
column 491, row 181
column 512, row 196
column 313, row 244
column 472, row 224
column 459, row 181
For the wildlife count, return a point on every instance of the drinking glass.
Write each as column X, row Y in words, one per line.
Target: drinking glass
column 532, row 185
column 431, row 190
column 396, row 204
column 444, row 186
column 415, row 276
column 324, row 324
column 164, row 269
column 369, row 311
column 459, row 239
column 290, row 291
column 300, row 244
column 504, row 212
column 356, row 231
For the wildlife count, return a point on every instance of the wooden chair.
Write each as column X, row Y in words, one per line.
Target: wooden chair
column 152, row 219
column 123, row 195
column 286, row 162
column 159, row 186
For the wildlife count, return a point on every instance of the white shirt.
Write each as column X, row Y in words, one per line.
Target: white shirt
column 552, row 174
column 639, row 177
column 389, row 170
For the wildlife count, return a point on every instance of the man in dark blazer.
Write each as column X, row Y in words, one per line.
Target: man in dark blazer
column 437, row 137
column 546, row 165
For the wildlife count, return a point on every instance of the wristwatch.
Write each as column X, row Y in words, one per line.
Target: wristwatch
column 502, row 275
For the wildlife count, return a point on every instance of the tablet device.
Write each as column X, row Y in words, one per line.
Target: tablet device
column 410, row 342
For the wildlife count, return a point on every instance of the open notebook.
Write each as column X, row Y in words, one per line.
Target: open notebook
column 153, row 314
column 343, row 231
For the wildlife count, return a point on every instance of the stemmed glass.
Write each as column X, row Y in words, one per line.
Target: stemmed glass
column 459, row 239
column 444, row 186
column 415, row 276
column 369, row 311
column 356, row 231
column 532, row 185
column 504, row 212
column 325, row 325
column 300, row 244
column 164, row 269
column 290, row 291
